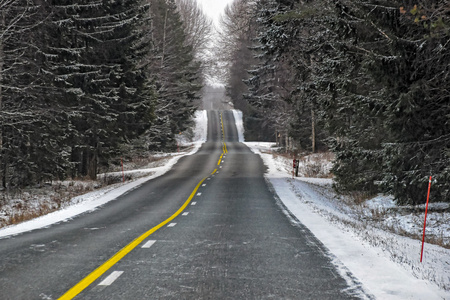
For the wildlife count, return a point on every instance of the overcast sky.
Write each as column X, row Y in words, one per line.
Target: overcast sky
column 214, row 8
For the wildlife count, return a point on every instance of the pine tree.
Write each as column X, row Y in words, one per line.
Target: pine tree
column 374, row 74
column 74, row 86
column 30, row 144
column 106, row 91
column 353, row 111
column 284, row 82
column 417, row 80
column 238, row 50
column 78, row 81
column 177, row 76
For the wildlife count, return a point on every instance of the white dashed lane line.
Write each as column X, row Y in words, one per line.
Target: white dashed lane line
column 148, row 244
column 116, row 274
column 111, row 278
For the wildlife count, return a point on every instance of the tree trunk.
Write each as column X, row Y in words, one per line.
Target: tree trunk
column 313, row 128
column 92, row 165
column 2, row 162
column 287, row 141
column 164, row 40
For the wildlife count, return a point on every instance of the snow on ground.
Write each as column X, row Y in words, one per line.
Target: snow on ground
column 93, row 200
column 237, row 114
column 362, row 240
column 385, row 263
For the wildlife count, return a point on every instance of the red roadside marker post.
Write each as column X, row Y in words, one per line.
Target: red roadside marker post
column 425, row 222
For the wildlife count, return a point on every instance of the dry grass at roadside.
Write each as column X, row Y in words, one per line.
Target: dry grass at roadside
column 315, row 165
column 402, row 220
column 20, row 205
column 25, row 204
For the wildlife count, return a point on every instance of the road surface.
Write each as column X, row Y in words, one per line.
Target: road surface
column 211, row 228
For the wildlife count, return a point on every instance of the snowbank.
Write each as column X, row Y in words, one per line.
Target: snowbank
column 387, row 265
column 237, row 114
column 95, row 199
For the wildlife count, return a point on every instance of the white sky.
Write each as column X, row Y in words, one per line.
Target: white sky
column 214, row 8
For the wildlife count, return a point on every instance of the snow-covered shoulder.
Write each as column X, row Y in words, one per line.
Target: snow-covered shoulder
column 93, row 200
column 201, row 128
column 237, row 114
column 372, row 263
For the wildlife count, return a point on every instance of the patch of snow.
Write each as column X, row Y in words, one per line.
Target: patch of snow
column 386, row 263
column 239, row 124
column 201, row 126
column 381, row 201
column 318, row 181
column 260, row 147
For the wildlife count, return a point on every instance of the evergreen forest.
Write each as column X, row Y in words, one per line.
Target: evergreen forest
column 366, row 79
column 84, row 81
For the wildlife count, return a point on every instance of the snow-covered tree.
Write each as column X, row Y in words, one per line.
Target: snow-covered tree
column 177, row 76
column 237, row 40
column 374, row 74
column 109, row 91
column 30, row 148
column 74, row 85
column 415, row 74
column 80, row 80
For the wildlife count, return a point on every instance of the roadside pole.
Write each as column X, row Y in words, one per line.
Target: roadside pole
column 295, row 164
column 293, row 167
column 123, row 173
column 425, row 222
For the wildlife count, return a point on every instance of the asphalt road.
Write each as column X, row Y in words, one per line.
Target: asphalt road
column 229, row 239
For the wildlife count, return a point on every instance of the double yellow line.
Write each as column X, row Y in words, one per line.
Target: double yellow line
column 224, row 147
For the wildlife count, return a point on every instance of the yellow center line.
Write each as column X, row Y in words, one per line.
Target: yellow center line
column 224, row 147
column 223, row 127
column 88, row 280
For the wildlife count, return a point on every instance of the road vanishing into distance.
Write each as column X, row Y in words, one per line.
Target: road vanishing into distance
column 211, row 228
